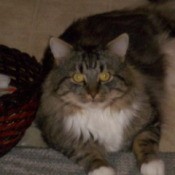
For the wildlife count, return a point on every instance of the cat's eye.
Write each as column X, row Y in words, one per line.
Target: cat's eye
column 78, row 77
column 104, row 76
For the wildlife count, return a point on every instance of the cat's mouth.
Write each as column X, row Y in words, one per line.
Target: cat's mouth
column 102, row 100
column 93, row 101
column 86, row 100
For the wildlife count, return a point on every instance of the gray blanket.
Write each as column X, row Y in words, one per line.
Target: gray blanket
column 28, row 161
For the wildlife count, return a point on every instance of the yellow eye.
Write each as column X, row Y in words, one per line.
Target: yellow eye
column 78, row 77
column 105, row 76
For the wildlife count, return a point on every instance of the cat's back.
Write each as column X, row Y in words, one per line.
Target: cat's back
column 98, row 30
column 142, row 25
column 92, row 33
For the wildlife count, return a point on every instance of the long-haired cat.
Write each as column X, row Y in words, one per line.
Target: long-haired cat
column 104, row 90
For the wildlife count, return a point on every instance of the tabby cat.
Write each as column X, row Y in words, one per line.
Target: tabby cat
column 104, row 90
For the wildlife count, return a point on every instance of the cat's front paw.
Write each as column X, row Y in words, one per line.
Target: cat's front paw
column 103, row 171
column 154, row 167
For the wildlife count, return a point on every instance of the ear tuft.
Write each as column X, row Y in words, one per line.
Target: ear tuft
column 59, row 48
column 119, row 45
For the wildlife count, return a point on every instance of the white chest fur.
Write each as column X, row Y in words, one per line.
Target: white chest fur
column 106, row 126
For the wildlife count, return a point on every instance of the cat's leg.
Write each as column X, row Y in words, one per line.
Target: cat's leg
column 90, row 156
column 145, row 148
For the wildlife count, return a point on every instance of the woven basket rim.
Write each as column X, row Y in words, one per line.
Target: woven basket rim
column 17, row 110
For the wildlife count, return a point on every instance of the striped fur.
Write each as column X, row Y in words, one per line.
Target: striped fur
column 125, row 111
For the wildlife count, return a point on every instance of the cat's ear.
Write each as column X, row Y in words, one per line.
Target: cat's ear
column 60, row 49
column 119, row 45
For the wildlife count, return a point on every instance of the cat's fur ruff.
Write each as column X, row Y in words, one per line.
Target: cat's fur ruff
column 124, row 113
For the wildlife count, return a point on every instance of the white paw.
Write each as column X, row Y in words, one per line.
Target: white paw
column 155, row 167
column 102, row 171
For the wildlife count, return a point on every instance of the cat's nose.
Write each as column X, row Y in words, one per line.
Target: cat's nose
column 93, row 94
column 92, row 90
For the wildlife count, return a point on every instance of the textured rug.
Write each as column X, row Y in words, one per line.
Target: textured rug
column 28, row 161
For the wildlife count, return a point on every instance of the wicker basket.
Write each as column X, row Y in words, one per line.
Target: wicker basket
column 18, row 110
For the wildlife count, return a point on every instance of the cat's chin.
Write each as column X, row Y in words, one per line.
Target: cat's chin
column 94, row 104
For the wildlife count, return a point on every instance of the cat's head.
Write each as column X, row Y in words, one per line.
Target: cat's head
column 90, row 78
